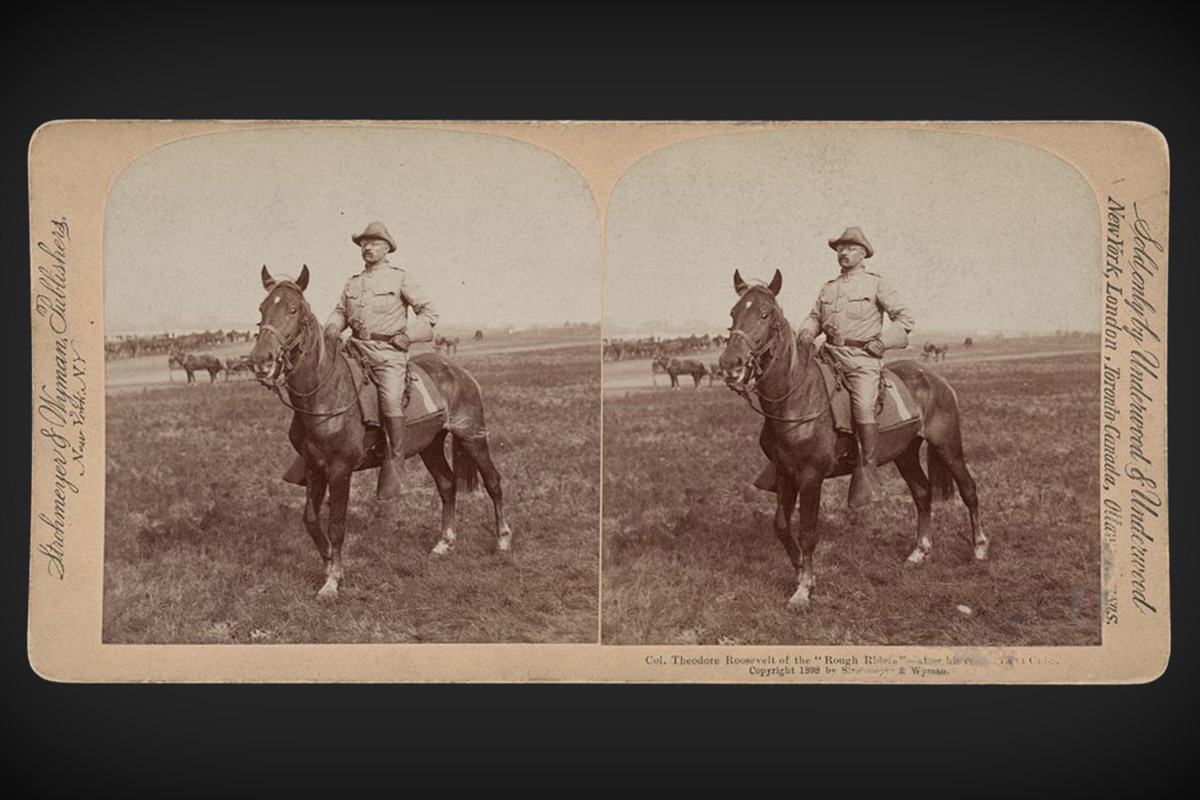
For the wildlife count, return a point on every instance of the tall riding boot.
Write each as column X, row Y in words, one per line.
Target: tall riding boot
column 864, row 482
column 391, row 468
column 766, row 478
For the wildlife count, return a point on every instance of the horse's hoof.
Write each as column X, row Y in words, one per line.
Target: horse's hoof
column 981, row 552
column 328, row 592
column 917, row 558
column 799, row 600
column 441, row 548
column 504, row 544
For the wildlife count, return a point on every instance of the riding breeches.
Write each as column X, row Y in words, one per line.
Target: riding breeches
column 389, row 368
column 862, row 373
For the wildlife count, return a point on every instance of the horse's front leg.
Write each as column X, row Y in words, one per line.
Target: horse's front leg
column 339, row 500
column 806, row 580
column 785, row 503
column 314, row 484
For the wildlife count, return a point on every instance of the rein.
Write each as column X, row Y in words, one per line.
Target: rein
column 289, row 355
column 757, row 370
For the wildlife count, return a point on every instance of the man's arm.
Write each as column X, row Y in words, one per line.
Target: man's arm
column 896, row 334
column 337, row 318
column 897, row 310
column 425, row 316
column 810, row 326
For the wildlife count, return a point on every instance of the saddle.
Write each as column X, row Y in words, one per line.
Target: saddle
column 422, row 397
column 894, row 406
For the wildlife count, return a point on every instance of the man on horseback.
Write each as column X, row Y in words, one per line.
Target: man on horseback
column 375, row 306
column 849, row 311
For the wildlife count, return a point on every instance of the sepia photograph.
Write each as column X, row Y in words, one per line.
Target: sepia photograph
column 663, row 402
column 352, row 386
column 791, row 313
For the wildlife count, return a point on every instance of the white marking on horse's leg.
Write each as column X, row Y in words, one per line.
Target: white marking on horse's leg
column 445, row 544
column 800, row 598
column 330, row 590
column 981, row 544
column 504, row 543
column 923, row 548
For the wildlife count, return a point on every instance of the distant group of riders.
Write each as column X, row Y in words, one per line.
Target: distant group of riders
column 653, row 346
column 166, row 343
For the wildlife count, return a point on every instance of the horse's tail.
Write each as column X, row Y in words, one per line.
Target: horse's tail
column 940, row 479
column 466, row 470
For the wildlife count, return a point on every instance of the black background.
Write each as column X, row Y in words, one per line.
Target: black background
column 849, row 64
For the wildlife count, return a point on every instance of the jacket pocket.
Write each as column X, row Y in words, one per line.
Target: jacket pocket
column 861, row 307
column 384, row 301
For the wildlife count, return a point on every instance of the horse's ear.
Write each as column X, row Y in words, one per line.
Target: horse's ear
column 302, row 281
column 776, row 283
column 739, row 285
column 266, row 278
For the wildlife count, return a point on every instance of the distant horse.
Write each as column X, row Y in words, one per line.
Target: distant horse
column 675, row 367
column 478, row 335
column 192, row 364
column 764, row 362
column 968, row 343
column 936, row 352
column 293, row 355
column 445, row 345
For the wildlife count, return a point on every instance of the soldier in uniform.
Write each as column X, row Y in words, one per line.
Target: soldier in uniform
column 849, row 311
column 375, row 306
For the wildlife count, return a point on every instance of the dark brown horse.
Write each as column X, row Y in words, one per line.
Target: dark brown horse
column 674, row 367
column 191, row 364
column 764, row 362
column 293, row 354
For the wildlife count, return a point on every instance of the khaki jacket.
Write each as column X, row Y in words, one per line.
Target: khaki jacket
column 377, row 301
column 852, row 305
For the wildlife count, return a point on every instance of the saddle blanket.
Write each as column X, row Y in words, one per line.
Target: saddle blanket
column 422, row 398
column 899, row 407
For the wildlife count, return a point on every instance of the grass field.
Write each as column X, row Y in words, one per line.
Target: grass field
column 205, row 544
column 690, row 556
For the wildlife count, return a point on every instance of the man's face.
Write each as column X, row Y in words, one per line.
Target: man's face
column 373, row 250
column 850, row 255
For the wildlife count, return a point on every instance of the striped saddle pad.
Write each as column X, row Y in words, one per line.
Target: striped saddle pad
column 422, row 398
column 898, row 406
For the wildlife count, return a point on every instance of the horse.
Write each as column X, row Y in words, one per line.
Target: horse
column 936, row 351
column 764, row 361
column 675, row 367
column 191, row 364
column 293, row 354
column 968, row 343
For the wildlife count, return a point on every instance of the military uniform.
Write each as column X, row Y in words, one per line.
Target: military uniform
column 375, row 305
column 849, row 310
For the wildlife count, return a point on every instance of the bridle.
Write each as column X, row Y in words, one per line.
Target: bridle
column 755, row 368
column 290, row 353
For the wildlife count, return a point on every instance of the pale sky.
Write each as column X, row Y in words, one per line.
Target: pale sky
column 976, row 233
column 497, row 231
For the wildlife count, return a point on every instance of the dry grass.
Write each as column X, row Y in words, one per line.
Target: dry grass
column 204, row 543
column 690, row 556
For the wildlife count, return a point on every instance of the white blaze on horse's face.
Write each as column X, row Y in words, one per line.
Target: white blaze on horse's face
column 282, row 314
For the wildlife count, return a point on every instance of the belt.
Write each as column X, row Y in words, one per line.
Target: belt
column 855, row 343
column 377, row 337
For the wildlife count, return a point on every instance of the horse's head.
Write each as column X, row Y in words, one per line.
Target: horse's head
column 757, row 322
column 284, row 317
